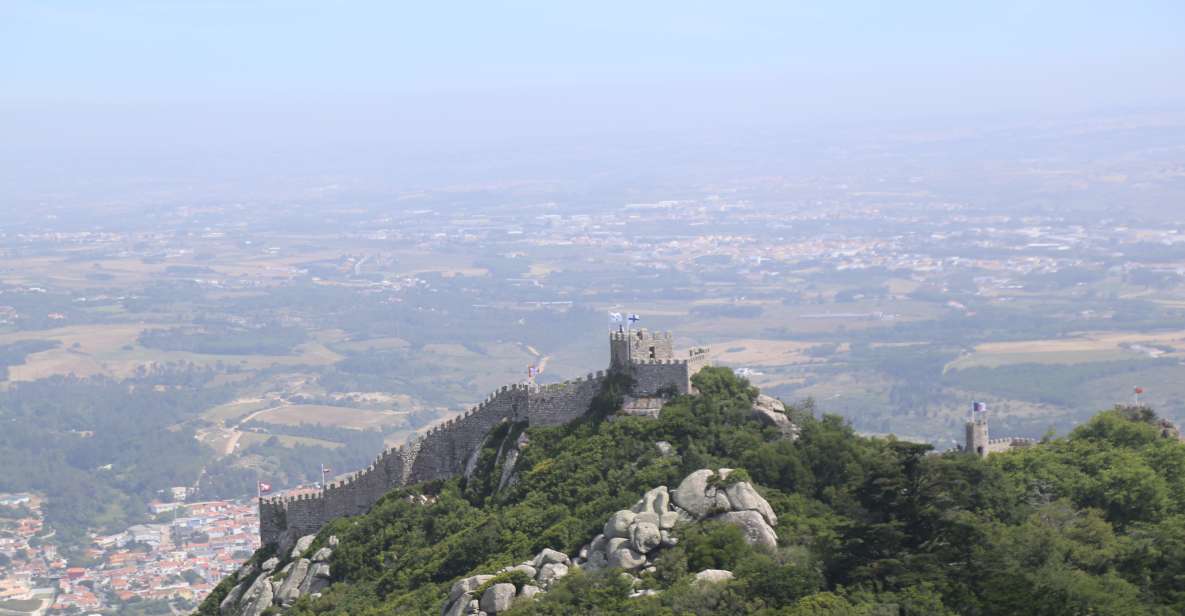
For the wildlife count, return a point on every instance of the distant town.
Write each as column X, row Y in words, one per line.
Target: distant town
column 172, row 562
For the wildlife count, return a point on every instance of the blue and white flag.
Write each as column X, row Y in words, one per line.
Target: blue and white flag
column 633, row 318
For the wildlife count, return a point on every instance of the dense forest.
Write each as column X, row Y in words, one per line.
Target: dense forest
column 101, row 448
column 1091, row 523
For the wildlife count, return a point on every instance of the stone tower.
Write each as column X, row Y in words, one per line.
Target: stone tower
column 639, row 346
column 976, row 440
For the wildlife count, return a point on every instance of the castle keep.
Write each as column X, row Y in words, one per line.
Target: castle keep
column 976, row 439
column 648, row 357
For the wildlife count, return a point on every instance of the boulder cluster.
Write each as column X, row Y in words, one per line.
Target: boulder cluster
column 261, row 586
column 632, row 537
column 477, row 595
column 631, row 540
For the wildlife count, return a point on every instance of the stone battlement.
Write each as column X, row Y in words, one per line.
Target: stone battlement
column 1011, row 440
column 443, row 451
column 641, row 333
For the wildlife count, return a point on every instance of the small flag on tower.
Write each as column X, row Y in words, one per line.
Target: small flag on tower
column 633, row 318
column 264, row 487
column 615, row 317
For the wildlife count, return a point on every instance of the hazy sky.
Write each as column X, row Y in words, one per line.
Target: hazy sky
column 89, row 74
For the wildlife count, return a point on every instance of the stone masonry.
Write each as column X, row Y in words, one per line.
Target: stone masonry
column 441, row 453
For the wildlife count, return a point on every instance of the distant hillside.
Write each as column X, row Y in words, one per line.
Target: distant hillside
column 1093, row 523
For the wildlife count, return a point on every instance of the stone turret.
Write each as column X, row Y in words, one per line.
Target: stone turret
column 976, row 440
column 639, row 346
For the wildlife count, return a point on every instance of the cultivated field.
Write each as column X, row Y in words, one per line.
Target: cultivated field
column 1085, row 347
column 233, row 411
column 251, row 438
column 111, row 349
column 336, row 416
column 755, row 352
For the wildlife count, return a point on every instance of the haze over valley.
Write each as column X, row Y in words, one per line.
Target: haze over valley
column 228, row 272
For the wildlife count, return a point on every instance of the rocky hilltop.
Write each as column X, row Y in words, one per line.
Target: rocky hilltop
column 299, row 567
column 725, row 501
column 631, row 541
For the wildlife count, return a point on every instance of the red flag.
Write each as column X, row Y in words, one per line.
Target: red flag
column 264, row 488
column 1139, row 390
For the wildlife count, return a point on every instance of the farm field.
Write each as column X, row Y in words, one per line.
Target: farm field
column 112, row 350
column 233, row 411
column 333, row 416
column 253, row 438
column 757, row 352
column 1081, row 348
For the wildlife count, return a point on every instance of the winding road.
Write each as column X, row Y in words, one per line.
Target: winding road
column 236, row 433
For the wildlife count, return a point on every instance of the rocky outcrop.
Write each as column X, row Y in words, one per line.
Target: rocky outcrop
column 484, row 595
column 757, row 530
column 699, row 497
column 510, row 462
column 641, row 407
column 261, row 588
column 498, row 598
column 771, row 412
column 712, row 576
column 742, row 497
column 710, row 495
column 631, row 540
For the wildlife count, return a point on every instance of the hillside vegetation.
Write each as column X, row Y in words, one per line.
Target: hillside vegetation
column 1093, row 523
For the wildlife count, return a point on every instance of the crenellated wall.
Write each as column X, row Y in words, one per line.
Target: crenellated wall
column 652, row 376
column 553, row 405
column 442, row 452
column 626, row 347
column 438, row 454
column 444, row 449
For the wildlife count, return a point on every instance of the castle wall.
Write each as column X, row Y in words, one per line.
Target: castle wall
column 354, row 495
column 651, row 376
column 306, row 514
column 273, row 520
column 552, row 405
column 1000, row 445
column 444, row 449
column 442, row 452
column 697, row 359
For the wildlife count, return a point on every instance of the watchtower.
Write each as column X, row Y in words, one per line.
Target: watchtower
column 639, row 346
column 976, row 440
